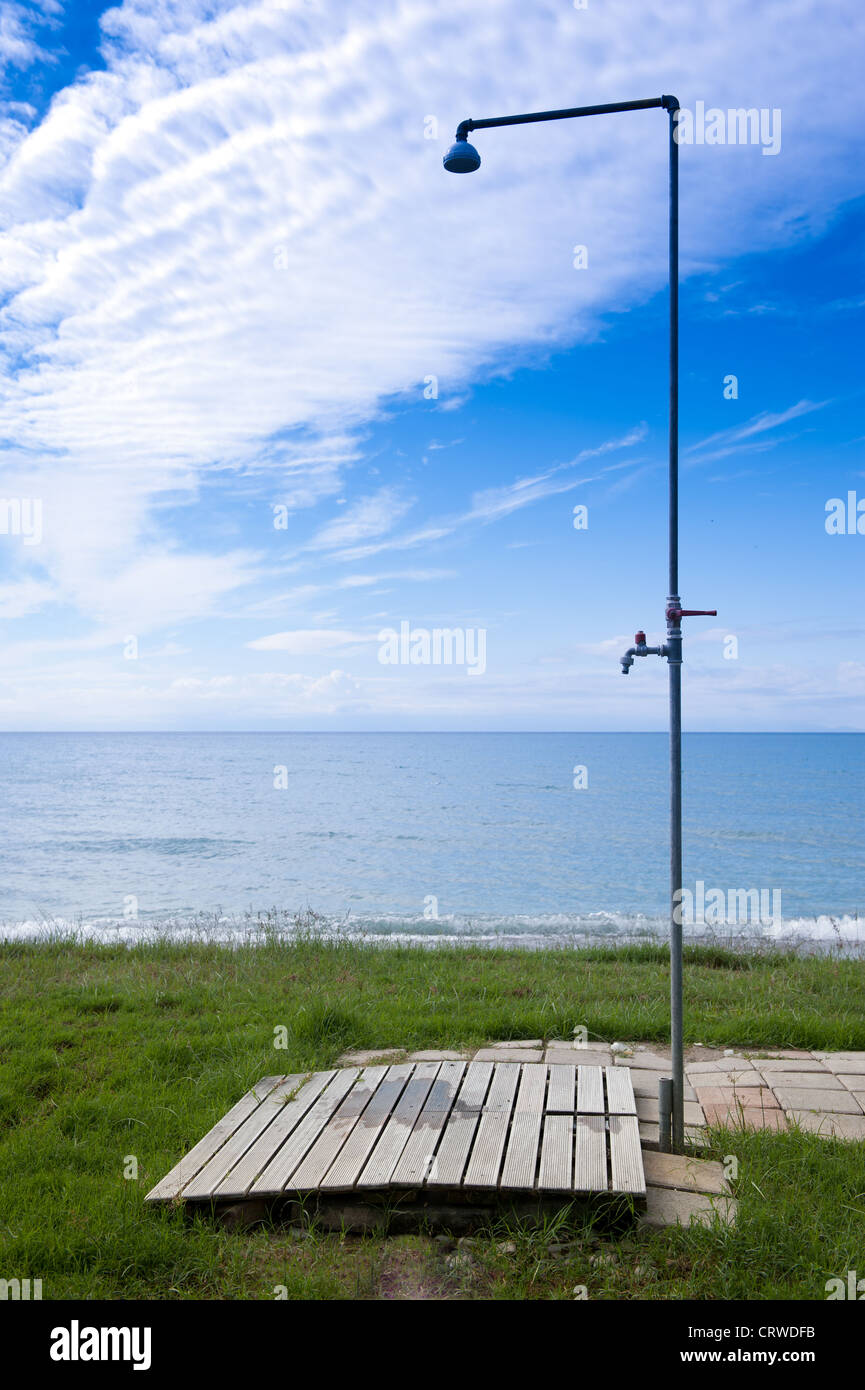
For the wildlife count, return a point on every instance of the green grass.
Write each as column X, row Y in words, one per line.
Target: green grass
column 109, row 1053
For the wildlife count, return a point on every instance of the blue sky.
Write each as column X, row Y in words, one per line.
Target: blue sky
column 232, row 261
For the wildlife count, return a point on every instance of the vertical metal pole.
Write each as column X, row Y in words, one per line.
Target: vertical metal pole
column 676, row 1039
column 674, row 360
column 674, row 644
column 665, row 1111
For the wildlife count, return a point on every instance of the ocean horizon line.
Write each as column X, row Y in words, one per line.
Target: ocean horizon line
column 466, row 733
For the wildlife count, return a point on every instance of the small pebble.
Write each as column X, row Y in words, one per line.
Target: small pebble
column 603, row 1259
column 460, row 1260
column 506, row 1247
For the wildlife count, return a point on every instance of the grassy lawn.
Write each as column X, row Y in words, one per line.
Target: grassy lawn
column 109, row 1053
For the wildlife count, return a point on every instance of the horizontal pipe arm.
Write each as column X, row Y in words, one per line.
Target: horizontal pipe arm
column 465, row 126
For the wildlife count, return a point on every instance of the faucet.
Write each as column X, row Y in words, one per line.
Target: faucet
column 640, row 649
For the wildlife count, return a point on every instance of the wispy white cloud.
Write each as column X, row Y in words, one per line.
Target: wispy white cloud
column 497, row 502
column 308, row 641
column 303, row 594
column 740, row 438
column 370, row 516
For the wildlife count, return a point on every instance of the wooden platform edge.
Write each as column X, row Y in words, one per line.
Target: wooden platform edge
column 170, row 1188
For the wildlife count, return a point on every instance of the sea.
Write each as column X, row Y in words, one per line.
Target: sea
column 531, row 839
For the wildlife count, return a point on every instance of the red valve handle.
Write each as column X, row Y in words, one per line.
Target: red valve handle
column 691, row 613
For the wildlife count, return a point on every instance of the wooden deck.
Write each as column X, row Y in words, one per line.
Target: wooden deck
column 474, row 1129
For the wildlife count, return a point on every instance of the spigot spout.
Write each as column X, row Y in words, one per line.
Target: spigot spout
column 640, row 649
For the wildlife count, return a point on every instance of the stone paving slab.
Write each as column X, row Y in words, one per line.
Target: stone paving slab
column 845, row 1056
column 725, row 1078
column 827, row 1102
column 745, row 1118
column 720, row 1064
column 646, row 1061
column 751, row 1097
column 575, row 1056
column 531, row 1044
column 730, row 1060
column 856, row 1083
column 848, row 1065
column 780, row 1054
column 490, row 1054
column 794, row 1064
column 816, row 1080
column 437, row 1056
column 832, row 1126
column 365, row 1059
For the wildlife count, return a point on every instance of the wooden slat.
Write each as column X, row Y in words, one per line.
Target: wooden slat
column 626, row 1158
column 533, row 1085
column 475, row 1085
column 590, row 1160
column 459, row 1131
column 418, row 1157
column 332, row 1138
column 192, row 1162
column 394, row 1137
column 521, row 1159
column 620, row 1091
column 590, row 1090
column 244, row 1173
column 557, row 1146
column 205, row 1183
column 561, row 1093
column 445, row 1087
column 500, row 1096
column 489, row 1144
column 346, row 1168
column 453, row 1150
column 487, row 1150
column 278, row 1173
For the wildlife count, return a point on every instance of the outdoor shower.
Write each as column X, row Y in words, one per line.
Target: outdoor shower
column 463, row 158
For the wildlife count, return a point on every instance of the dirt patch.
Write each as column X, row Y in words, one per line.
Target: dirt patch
column 413, row 1274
